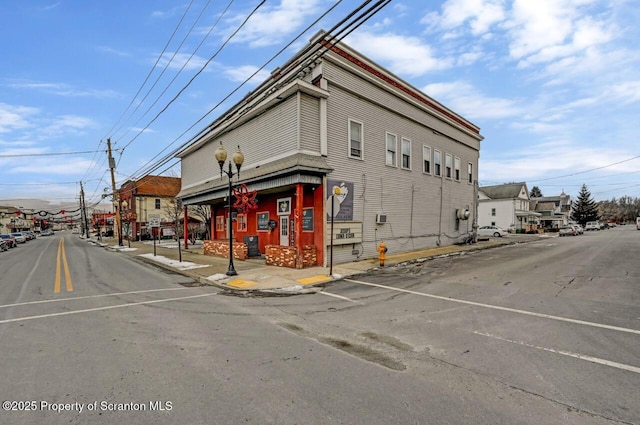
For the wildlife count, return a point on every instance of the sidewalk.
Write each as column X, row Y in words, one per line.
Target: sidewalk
column 255, row 276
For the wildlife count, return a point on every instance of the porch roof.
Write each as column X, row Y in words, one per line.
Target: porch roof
column 296, row 168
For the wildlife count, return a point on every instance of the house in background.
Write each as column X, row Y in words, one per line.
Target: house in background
column 507, row 206
column 555, row 210
column 332, row 129
column 141, row 198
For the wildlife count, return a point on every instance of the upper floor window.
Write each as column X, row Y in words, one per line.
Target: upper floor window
column 447, row 165
column 493, row 212
column 406, row 153
column 355, row 139
column 157, row 204
column 456, row 168
column 392, row 147
column 437, row 163
column 470, row 172
column 426, row 159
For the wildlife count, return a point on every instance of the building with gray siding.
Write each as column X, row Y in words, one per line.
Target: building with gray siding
column 331, row 123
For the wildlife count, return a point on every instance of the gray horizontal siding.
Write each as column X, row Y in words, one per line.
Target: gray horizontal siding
column 309, row 123
column 271, row 134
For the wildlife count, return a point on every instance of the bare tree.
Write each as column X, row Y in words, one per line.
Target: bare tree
column 203, row 213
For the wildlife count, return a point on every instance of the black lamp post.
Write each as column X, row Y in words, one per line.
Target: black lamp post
column 238, row 159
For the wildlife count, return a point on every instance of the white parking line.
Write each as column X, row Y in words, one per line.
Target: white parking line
column 91, row 296
column 495, row 307
column 340, row 297
column 567, row 353
column 66, row 313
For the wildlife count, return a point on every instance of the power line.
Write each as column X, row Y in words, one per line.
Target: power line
column 24, row 155
column 197, row 73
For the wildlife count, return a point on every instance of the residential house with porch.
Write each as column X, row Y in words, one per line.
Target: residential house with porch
column 507, row 206
column 555, row 210
column 331, row 130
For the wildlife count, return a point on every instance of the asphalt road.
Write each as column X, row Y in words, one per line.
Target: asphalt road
column 539, row 333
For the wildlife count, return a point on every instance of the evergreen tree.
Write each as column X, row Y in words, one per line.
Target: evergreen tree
column 535, row 192
column 585, row 208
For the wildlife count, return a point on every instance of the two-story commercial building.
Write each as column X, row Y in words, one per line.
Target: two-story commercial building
column 150, row 196
column 332, row 129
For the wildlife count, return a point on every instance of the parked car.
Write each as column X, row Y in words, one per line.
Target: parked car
column 9, row 240
column 20, row 238
column 29, row 235
column 3, row 246
column 592, row 225
column 46, row 232
column 568, row 231
column 492, row 231
column 579, row 228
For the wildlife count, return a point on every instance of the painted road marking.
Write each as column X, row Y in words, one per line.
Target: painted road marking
column 67, row 313
column 62, row 261
column 495, row 307
column 314, row 279
column 340, row 297
column 567, row 353
column 241, row 283
column 91, row 296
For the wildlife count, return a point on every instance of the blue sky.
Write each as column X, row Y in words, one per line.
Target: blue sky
column 554, row 85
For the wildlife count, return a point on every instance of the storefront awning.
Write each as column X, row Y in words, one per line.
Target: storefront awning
column 294, row 169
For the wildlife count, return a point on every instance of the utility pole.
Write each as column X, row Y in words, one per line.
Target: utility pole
column 112, row 167
column 83, row 215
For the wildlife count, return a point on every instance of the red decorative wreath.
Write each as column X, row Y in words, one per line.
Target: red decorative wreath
column 245, row 198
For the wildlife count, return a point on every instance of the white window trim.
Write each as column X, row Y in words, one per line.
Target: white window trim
column 435, row 172
column 470, row 174
column 402, row 140
column 450, row 167
column 386, row 149
column 456, row 168
column 430, row 160
column 361, row 157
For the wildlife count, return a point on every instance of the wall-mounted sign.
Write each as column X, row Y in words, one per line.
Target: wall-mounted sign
column 343, row 191
column 284, row 206
column 263, row 221
column 345, row 233
column 307, row 219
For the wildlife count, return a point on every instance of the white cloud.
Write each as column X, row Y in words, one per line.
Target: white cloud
column 463, row 98
column 62, row 89
column 271, row 24
column 179, row 60
column 15, row 117
column 240, row 73
column 401, row 54
column 479, row 14
column 68, row 166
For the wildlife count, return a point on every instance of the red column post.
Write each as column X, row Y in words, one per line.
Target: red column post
column 298, row 223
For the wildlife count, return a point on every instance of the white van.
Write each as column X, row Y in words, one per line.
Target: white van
column 592, row 225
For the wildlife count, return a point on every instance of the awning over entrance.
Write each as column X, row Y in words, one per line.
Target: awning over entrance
column 297, row 168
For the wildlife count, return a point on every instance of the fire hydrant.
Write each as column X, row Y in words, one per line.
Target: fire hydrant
column 382, row 250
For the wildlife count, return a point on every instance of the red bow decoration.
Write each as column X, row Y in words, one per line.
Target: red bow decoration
column 245, row 198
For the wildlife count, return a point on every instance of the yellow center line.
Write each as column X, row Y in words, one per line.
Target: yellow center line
column 62, row 260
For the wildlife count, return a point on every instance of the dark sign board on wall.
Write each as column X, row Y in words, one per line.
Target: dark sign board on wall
column 307, row 219
column 263, row 221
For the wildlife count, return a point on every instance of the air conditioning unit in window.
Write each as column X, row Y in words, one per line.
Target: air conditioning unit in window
column 381, row 218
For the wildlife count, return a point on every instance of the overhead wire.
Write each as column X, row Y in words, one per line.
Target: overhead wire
column 307, row 53
column 133, row 99
column 166, row 67
column 244, row 22
column 170, row 155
